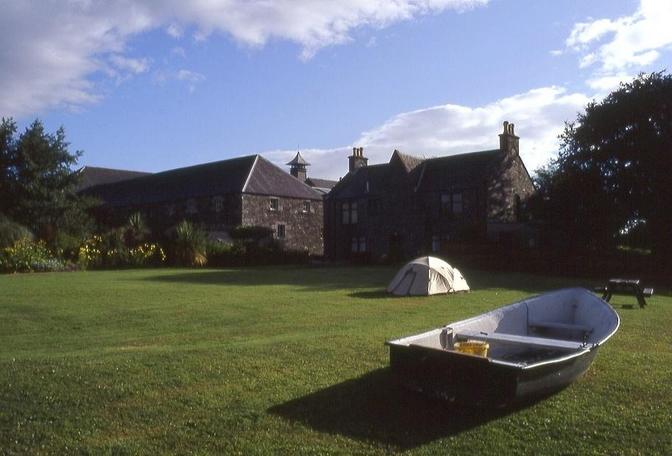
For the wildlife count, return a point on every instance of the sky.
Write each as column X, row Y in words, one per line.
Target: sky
column 162, row 84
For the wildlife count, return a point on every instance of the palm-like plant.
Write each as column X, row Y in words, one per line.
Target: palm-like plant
column 190, row 244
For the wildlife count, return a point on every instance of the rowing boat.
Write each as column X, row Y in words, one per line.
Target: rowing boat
column 535, row 347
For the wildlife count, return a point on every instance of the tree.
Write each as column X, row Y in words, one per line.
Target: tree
column 614, row 168
column 37, row 183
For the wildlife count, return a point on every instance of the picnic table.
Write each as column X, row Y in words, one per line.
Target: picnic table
column 625, row 286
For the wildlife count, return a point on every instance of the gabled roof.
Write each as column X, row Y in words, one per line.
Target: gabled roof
column 462, row 169
column 354, row 183
column 431, row 174
column 267, row 179
column 409, row 162
column 252, row 174
column 93, row 175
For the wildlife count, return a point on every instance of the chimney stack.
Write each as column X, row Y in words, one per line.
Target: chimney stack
column 357, row 159
column 508, row 141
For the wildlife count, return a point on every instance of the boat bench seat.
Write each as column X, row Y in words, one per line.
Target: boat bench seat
column 556, row 325
column 518, row 339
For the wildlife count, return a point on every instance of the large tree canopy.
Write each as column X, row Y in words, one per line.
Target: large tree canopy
column 614, row 168
column 37, row 182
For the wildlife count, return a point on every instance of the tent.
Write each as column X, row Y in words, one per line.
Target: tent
column 427, row 276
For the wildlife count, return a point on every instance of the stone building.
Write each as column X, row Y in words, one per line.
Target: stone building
column 412, row 205
column 219, row 196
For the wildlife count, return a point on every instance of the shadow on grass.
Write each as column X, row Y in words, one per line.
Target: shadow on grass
column 375, row 408
column 371, row 280
column 308, row 278
column 372, row 294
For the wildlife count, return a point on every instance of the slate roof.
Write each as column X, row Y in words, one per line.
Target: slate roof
column 252, row 174
column 93, row 175
column 321, row 183
column 435, row 173
column 298, row 160
column 432, row 174
column 409, row 161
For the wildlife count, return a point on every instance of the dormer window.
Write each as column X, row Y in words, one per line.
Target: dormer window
column 274, row 204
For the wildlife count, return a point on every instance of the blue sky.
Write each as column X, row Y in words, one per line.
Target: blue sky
column 163, row 84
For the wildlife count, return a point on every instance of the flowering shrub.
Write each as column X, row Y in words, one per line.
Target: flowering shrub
column 95, row 252
column 91, row 252
column 26, row 255
column 145, row 254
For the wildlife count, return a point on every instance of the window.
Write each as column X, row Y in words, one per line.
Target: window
column 358, row 244
column 374, row 207
column 452, row 204
column 170, row 209
column 445, row 204
column 218, row 204
column 280, row 231
column 192, row 207
column 457, row 205
column 306, row 206
column 274, row 204
column 518, row 208
column 345, row 209
column 367, row 188
column 349, row 213
column 436, row 243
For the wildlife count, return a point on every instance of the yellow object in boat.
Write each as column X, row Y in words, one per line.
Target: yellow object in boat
column 473, row 347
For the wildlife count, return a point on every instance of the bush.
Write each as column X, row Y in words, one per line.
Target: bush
column 26, row 255
column 252, row 234
column 109, row 251
column 190, row 243
column 226, row 255
column 10, row 232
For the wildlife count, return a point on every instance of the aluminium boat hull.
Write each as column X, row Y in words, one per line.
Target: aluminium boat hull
column 473, row 380
column 537, row 346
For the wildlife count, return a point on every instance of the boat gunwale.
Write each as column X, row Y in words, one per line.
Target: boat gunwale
column 402, row 342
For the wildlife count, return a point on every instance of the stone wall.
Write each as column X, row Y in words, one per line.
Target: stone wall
column 303, row 228
column 212, row 213
column 511, row 181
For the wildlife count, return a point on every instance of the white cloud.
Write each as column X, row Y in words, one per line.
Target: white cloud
column 125, row 64
column 51, row 49
column 603, row 85
column 179, row 52
column 539, row 115
column 174, row 30
column 626, row 42
column 190, row 77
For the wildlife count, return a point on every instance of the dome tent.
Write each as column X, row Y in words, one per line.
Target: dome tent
column 427, row 276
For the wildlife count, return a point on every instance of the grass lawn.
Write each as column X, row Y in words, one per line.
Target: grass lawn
column 287, row 360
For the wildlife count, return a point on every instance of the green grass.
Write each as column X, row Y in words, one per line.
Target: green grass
column 287, row 360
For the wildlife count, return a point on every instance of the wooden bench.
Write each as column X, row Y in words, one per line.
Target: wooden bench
column 542, row 342
column 625, row 286
column 563, row 326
